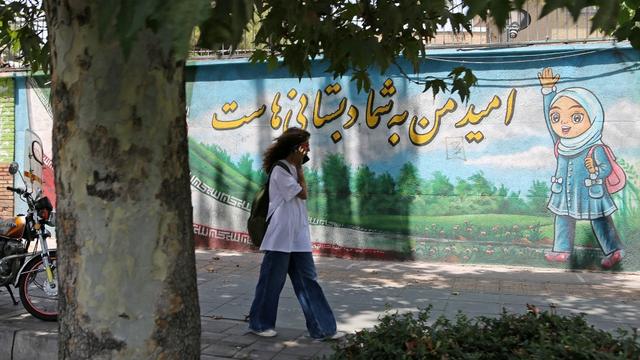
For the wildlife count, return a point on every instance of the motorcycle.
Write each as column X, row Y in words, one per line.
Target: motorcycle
column 33, row 271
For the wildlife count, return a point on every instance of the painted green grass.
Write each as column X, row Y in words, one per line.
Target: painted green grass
column 217, row 174
column 410, row 224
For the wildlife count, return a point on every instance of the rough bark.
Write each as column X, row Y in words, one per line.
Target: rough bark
column 126, row 250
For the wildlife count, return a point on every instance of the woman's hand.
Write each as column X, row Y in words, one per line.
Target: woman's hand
column 301, row 151
column 547, row 79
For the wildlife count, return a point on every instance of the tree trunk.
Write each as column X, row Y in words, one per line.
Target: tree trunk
column 126, row 251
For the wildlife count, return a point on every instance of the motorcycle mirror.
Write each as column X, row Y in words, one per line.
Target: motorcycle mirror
column 13, row 168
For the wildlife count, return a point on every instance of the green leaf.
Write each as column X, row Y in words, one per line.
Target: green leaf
column 462, row 88
column 258, row 56
column 634, row 38
column 457, row 71
column 605, row 17
column 436, row 85
column 226, row 23
column 550, row 6
column 634, row 4
column 272, row 62
column 363, row 82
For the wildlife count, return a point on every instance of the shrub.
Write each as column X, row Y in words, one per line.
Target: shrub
column 535, row 335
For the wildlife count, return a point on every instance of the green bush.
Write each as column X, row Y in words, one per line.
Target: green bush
column 535, row 335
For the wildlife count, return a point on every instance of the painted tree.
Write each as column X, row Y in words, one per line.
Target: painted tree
column 538, row 196
column 440, row 185
column 408, row 181
column 365, row 183
column 127, row 272
column 336, row 178
column 481, row 185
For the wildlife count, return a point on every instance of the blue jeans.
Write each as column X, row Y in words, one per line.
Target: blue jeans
column 603, row 228
column 302, row 271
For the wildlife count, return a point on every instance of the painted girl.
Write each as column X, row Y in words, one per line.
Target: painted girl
column 575, row 119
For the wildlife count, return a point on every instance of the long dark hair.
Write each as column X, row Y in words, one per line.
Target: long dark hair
column 283, row 146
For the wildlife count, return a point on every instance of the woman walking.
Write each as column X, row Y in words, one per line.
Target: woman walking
column 287, row 243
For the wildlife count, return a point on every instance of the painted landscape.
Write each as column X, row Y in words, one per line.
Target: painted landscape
column 437, row 218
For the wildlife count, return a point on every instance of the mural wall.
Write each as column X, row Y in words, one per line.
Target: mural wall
column 538, row 168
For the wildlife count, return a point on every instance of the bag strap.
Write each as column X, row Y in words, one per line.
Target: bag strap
column 281, row 164
column 607, row 151
column 278, row 163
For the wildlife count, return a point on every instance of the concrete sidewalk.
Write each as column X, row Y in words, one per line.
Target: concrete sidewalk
column 359, row 292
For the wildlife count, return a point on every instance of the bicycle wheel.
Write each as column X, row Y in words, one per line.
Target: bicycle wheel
column 37, row 298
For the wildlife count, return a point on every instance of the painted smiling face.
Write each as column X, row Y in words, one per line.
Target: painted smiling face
column 568, row 118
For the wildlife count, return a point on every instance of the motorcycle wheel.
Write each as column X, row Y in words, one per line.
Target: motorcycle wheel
column 32, row 292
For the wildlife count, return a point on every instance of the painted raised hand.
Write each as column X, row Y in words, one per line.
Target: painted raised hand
column 547, row 79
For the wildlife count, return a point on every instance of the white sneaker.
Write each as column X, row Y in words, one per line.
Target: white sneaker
column 266, row 333
column 338, row 335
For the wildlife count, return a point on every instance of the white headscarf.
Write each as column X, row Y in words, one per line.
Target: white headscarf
column 593, row 107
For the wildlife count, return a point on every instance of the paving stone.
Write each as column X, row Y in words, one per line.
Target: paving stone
column 216, row 326
column 305, row 349
column 239, row 329
column 255, row 354
column 211, row 337
column 6, row 338
column 220, row 349
column 285, row 356
column 211, row 357
column 239, row 340
column 476, row 297
column 31, row 345
column 269, row 345
column 473, row 307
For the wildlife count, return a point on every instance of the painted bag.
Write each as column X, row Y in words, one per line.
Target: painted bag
column 258, row 222
column 617, row 178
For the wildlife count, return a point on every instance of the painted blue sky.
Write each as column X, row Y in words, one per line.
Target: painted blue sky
column 514, row 155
